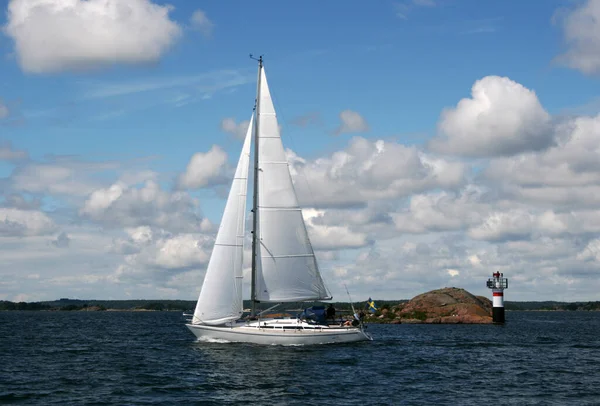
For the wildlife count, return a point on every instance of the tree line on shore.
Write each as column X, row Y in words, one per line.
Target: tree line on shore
column 66, row 304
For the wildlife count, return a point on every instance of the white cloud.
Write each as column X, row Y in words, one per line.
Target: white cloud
column 474, row 260
column 161, row 250
column 370, row 170
column 123, row 206
column 181, row 251
column 581, row 28
column 101, row 199
column 331, row 237
column 453, row 272
column 352, row 122
column 501, row 226
column 437, row 212
column 591, row 252
column 199, row 21
column 501, row 118
column 159, row 256
column 90, row 267
column 567, row 174
column 204, row 169
column 238, row 130
column 16, row 222
column 57, row 35
column 532, row 223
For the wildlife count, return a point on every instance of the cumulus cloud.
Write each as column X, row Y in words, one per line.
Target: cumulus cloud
column 331, row 237
column 57, row 35
column 370, row 170
column 513, row 225
column 567, row 174
column 20, row 223
column 123, row 206
column 352, row 122
column 591, row 252
column 372, row 214
column 177, row 252
column 238, row 130
column 529, row 222
column 441, row 211
column 581, row 29
column 199, row 21
column 502, row 117
column 204, row 169
column 153, row 253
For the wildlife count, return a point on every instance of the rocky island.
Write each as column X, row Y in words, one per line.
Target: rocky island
column 440, row 306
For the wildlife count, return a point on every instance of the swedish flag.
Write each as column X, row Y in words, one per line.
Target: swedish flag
column 371, row 306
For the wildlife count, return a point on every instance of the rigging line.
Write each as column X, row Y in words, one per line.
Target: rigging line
column 350, row 297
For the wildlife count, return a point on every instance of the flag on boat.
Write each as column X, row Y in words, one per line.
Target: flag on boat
column 371, row 306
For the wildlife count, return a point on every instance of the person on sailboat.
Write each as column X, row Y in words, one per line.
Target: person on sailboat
column 331, row 312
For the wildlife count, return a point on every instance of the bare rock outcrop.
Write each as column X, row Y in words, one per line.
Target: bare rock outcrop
column 447, row 306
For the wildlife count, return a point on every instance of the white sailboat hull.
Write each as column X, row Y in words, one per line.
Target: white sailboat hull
column 276, row 332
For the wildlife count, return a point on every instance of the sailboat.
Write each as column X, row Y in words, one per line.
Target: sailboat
column 284, row 266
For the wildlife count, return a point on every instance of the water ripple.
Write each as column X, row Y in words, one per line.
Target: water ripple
column 58, row 358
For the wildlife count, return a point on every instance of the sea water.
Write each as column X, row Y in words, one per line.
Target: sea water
column 150, row 358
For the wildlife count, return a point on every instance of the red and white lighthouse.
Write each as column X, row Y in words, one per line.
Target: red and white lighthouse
column 498, row 283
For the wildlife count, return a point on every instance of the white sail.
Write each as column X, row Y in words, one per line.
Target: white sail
column 220, row 299
column 286, row 267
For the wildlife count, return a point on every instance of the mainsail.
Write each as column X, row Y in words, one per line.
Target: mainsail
column 286, row 267
column 220, row 300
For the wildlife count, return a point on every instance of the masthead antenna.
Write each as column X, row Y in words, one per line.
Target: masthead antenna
column 259, row 59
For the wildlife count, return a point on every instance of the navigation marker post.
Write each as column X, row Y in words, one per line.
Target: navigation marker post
column 498, row 283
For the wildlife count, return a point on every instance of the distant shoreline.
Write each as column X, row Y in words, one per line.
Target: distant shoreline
column 66, row 304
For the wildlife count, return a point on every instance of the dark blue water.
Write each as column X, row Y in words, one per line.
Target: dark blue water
column 122, row 358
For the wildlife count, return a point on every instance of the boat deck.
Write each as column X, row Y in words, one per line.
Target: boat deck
column 280, row 331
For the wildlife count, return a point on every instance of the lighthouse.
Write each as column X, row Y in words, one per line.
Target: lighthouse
column 497, row 283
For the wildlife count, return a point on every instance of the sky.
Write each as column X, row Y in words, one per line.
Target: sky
column 431, row 142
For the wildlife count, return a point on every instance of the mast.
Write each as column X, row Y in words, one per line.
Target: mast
column 255, row 192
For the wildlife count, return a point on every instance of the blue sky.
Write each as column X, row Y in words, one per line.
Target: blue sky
column 101, row 112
